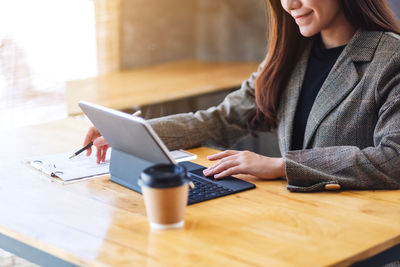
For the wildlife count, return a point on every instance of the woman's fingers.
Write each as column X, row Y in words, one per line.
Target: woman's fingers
column 87, row 141
column 222, row 164
column 100, row 142
column 101, row 154
column 231, row 171
column 88, row 151
column 233, row 162
column 223, row 167
column 101, row 145
column 98, row 155
column 104, row 153
column 91, row 135
column 222, row 154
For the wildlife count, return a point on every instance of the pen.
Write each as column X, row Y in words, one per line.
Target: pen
column 81, row 150
column 137, row 113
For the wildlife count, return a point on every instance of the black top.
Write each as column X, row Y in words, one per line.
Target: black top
column 319, row 65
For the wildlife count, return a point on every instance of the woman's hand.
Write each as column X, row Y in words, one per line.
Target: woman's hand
column 93, row 135
column 233, row 162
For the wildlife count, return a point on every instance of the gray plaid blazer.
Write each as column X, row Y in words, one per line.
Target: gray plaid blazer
column 352, row 136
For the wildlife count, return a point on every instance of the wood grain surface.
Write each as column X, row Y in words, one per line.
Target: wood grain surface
column 99, row 223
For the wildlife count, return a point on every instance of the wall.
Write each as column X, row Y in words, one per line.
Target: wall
column 230, row 30
column 395, row 5
column 154, row 31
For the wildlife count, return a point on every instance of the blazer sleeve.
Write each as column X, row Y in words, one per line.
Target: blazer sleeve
column 376, row 167
column 222, row 125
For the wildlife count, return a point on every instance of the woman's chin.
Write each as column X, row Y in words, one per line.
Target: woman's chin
column 307, row 32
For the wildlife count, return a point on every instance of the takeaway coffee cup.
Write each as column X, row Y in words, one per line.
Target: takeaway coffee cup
column 165, row 192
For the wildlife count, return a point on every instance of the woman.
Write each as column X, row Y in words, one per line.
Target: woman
column 330, row 85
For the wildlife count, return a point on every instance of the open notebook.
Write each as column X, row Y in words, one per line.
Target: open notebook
column 80, row 167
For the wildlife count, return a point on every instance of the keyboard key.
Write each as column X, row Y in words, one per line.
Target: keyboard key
column 205, row 190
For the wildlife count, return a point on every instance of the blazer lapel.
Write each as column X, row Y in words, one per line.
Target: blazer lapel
column 341, row 80
column 290, row 99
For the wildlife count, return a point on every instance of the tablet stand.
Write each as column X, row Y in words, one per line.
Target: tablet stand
column 125, row 169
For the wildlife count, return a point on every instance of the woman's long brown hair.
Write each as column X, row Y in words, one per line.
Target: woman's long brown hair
column 286, row 44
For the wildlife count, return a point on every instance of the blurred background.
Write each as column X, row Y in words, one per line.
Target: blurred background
column 45, row 43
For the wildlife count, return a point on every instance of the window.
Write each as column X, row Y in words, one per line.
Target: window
column 43, row 43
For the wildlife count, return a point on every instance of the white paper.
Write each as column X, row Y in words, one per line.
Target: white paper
column 67, row 169
column 81, row 166
column 182, row 155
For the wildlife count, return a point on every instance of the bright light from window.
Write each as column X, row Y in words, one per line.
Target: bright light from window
column 43, row 44
column 55, row 40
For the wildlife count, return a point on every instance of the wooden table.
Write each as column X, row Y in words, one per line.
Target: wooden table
column 157, row 84
column 99, row 223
